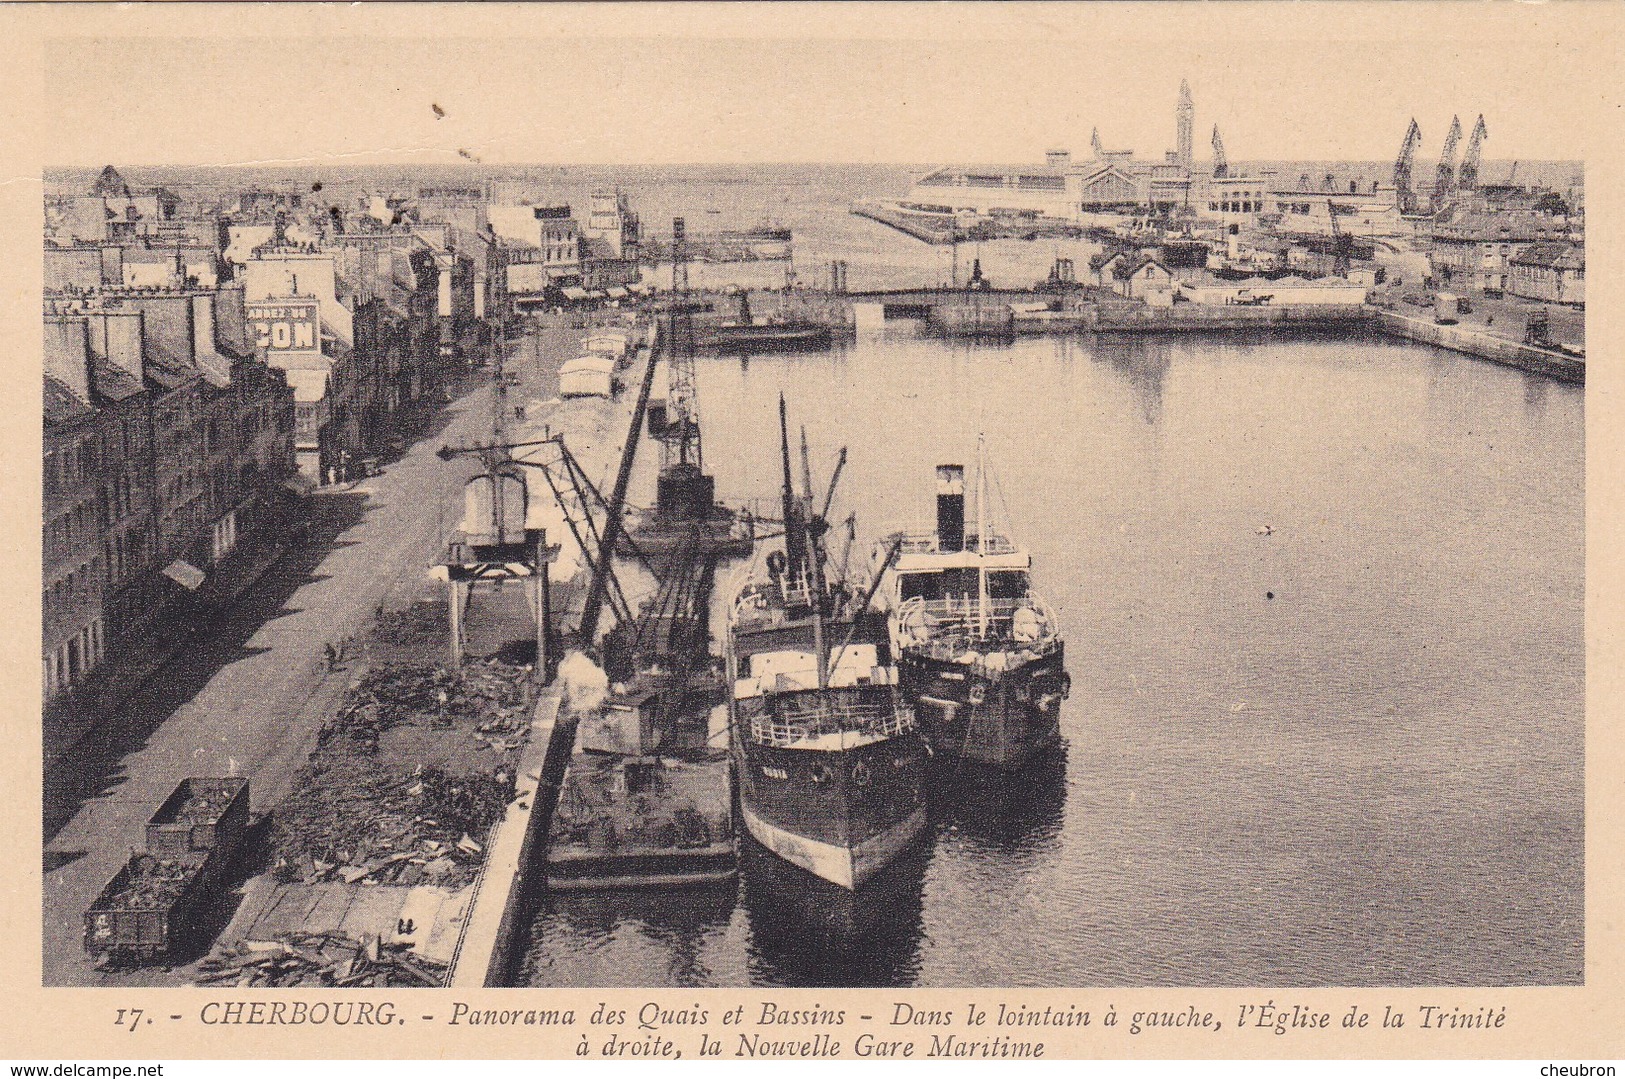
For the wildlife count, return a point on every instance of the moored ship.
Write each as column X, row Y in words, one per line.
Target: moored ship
column 830, row 764
column 979, row 653
column 747, row 334
column 789, row 335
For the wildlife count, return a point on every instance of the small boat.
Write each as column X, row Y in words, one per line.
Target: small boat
column 979, row 653
column 751, row 337
column 829, row 763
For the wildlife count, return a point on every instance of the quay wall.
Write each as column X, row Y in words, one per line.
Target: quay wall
column 906, row 224
column 484, row 954
column 989, row 317
column 992, row 319
column 1190, row 317
column 1485, row 346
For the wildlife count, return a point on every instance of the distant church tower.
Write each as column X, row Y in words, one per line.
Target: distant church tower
column 1186, row 114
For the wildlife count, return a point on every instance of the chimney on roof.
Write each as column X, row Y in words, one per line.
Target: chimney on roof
column 67, row 354
column 231, row 319
column 115, row 335
column 112, row 264
column 168, row 324
column 203, row 340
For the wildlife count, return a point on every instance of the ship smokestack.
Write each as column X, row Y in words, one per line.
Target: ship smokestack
column 950, row 507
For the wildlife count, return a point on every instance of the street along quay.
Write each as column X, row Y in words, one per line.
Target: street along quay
column 328, row 686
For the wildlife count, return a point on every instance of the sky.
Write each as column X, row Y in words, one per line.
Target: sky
column 623, row 84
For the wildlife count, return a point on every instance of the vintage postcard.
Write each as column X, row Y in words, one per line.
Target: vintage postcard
column 971, row 532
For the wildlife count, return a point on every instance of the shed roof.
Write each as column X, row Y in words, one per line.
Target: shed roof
column 588, row 363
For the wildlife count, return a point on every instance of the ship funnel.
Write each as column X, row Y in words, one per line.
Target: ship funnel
column 950, row 507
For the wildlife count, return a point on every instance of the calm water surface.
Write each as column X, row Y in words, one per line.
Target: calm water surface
column 1345, row 752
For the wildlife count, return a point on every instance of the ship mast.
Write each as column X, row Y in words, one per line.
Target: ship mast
column 815, row 567
column 795, row 539
column 981, row 536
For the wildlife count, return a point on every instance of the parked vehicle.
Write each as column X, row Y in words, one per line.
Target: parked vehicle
column 200, row 815
column 156, row 901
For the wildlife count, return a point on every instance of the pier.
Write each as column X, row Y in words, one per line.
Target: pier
column 1539, row 361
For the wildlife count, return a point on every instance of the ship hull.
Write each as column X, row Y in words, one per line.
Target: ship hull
column 762, row 338
column 840, row 815
column 1001, row 720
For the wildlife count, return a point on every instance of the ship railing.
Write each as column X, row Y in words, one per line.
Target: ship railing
column 954, row 613
column 953, row 627
column 926, row 542
column 767, row 602
column 872, row 720
column 955, row 649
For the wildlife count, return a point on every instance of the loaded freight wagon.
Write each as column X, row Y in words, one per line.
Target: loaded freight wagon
column 155, row 903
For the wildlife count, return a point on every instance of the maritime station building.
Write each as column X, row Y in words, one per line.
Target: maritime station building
column 1113, row 183
column 1057, row 189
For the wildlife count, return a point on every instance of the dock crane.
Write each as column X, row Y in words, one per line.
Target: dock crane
column 1403, row 192
column 1342, row 244
column 1221, row 166
column 1467, row 175
column 1444, row 185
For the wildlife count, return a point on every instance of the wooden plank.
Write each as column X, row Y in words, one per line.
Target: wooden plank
column 258, row 897
column 332, row 905
column 374, row 911
column 282, row 915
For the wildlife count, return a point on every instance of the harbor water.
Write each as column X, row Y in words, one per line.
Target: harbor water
column 1323, row 601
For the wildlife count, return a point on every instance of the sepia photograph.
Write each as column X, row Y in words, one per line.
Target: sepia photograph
column 1059, row 498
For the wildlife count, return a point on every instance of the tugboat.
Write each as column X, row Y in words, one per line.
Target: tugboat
column 829, row 763
column 979, row 653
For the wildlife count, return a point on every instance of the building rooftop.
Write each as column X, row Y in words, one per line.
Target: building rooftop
column 1503, row 226
column 1127, row 268
column 115, row 383
column 166, row 375
column 1557, row 256
column 62, row 405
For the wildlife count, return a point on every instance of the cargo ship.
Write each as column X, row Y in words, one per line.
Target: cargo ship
column 979, row 653
column 829, row 763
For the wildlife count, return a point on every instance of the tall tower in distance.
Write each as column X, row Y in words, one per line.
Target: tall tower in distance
column 1186, row 114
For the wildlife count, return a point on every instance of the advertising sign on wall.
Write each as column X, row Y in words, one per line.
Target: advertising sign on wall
column 286, row 325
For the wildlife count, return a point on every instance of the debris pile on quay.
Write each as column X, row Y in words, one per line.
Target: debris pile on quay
column 320, row 959
column 407, row 777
